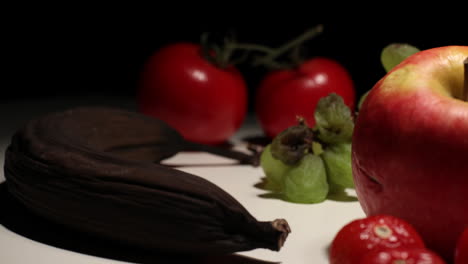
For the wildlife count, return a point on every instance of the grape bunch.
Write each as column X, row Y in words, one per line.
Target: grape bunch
column 305, row 164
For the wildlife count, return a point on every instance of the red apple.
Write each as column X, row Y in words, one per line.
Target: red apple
column 410, row 146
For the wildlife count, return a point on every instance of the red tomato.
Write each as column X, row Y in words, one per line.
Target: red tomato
column 402, row 256
column 378, row 232
column 461, row 252
column 285, row 94
column 206, row 104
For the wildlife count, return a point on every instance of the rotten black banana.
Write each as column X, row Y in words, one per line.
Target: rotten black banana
column 95, row 169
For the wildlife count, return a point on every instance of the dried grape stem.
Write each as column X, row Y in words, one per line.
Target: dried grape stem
column 241, row 157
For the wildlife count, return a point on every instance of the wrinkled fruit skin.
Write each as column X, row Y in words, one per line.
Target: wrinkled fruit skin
column 337, row 160
column 204, row 103
column 402, row 256
column 274, row 170
column 90, row 169
column 306, row 182
column 285, row 94
column 410, row 147
column 379, row 232
column 291, row 144
column 461, row 252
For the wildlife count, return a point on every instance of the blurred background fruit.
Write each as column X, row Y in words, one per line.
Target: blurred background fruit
column 205, row 102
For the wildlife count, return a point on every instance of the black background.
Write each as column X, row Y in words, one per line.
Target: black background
column 77, row 53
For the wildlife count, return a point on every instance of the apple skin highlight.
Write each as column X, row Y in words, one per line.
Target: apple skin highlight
column 410, row 147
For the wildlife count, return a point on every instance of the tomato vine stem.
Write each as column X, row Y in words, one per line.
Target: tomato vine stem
column 222, row 55
column 269, row 59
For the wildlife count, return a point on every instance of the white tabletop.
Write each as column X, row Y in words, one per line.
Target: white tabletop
column 313, row 226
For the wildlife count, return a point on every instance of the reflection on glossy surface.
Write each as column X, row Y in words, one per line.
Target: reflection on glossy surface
column 199, row 75
column 321, row 79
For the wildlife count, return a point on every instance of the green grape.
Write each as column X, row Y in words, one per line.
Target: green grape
column 334, row 189
column 307, row 181
column 274, row 169
column 395, row 53
column 391, row 56
column 334, row 121
column 337, row 159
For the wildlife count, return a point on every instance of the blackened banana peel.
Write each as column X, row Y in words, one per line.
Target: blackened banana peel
column 95, row 169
